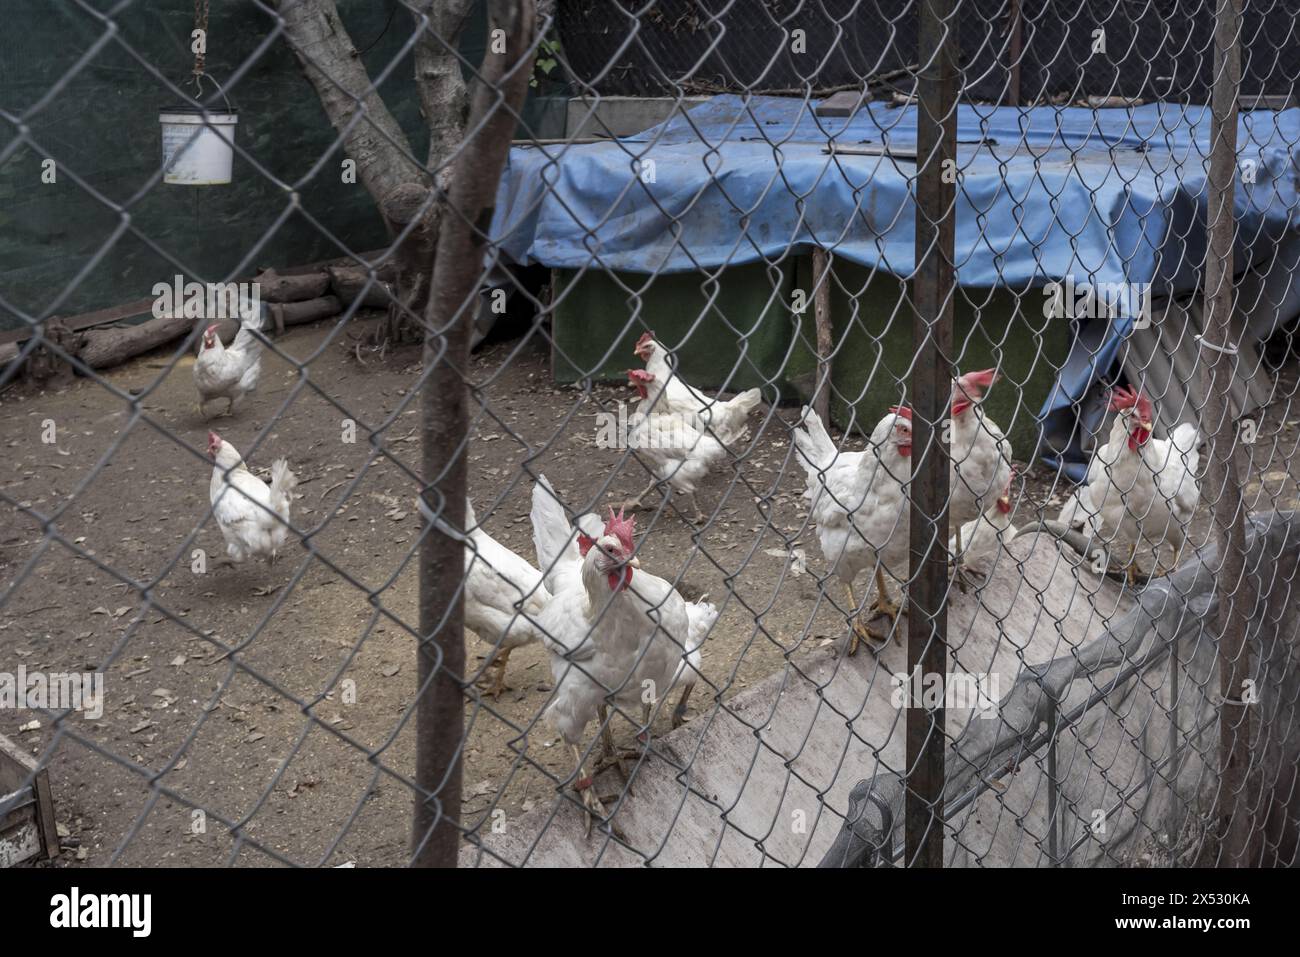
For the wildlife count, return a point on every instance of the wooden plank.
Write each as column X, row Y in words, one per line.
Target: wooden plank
column 844, row 103
column 1266, row 101
column 17, row 769
column 20, row 833
column 893, row 152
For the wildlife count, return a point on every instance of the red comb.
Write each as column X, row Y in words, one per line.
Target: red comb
column 1122, row 397
column 902, row 410
column 1129, row 398
column 980, row 380
column 621, row 528
column 645, row 337
column 213, row 438
column 640, row 375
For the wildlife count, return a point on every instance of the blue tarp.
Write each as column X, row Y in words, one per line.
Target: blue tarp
column 1112, row 196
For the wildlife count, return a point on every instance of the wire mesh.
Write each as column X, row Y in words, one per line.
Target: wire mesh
column 394, row 580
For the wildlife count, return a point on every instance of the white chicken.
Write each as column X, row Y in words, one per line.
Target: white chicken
column 675, row 450
column 1175, row 460
column 981, row 454
column 229, row 373
column 613, row 632
column 725, row 420
column 1117, row 501
column 860, row 507
column 979, row 540
column 503, row 597
column 252, row 514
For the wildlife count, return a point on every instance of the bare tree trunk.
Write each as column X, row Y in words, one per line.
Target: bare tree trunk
column 386, row 167
column 371, row 136
column 443, row 99
column 457, row 272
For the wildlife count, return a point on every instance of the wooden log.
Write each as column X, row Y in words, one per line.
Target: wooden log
column 296, row 313
column 348, row 283
column 113, row 345
column 273, row 287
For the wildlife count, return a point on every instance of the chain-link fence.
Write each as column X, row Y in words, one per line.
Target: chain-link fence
column 835, row 433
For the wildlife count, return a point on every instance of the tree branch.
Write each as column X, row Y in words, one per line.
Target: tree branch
column 330, row 60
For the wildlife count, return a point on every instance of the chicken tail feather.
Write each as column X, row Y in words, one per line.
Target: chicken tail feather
column 283, row 482
column 814, row 442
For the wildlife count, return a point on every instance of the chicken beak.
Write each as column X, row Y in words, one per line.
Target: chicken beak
column 634, row 562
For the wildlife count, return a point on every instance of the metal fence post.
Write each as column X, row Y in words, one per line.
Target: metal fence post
column 457, row 271
column 930, row 393
column 1233, row 814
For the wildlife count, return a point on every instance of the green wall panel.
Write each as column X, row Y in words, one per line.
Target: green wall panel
column 102, row 126
column 732, row 333
column 598, row 318
column 989, row 329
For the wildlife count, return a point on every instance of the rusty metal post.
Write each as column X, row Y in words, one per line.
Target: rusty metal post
column 930, row 394
column 1015, row 28
column 457, row 271
column 1234, row 810
column 822, row 321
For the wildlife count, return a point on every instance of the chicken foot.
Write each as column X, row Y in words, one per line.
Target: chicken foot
column 498, row 666
column 586, row 788
column 859, row 632
column 883, row 605
column 634, row 504
column 611, row 755
column 679, row 712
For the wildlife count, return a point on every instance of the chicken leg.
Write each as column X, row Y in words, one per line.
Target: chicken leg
column 1173, row 567
column 586, row 788
column 1131, row 569
column 882, row 605
column 610, row 753
column 679, row 712
column 859, row 632
column 498, row 667
column 632, row 504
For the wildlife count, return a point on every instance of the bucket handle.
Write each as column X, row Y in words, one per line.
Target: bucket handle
column 198, row 87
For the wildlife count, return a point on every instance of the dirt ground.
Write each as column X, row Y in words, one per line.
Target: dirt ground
column 301, row 745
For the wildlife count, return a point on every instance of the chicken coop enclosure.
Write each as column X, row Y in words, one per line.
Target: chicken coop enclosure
column 858, row 435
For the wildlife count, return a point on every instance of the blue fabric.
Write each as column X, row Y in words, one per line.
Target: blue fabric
column 1107, row 196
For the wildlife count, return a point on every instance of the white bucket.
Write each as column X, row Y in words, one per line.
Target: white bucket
column 195, row 154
